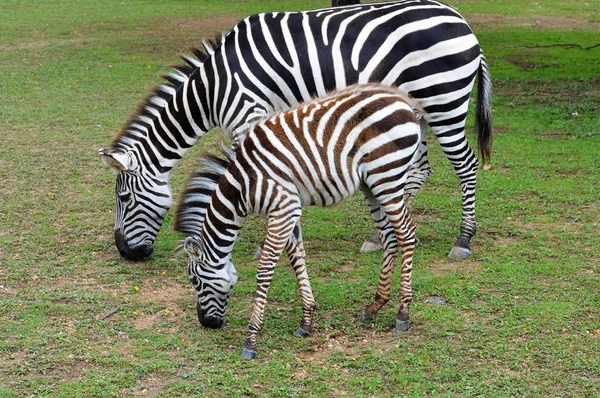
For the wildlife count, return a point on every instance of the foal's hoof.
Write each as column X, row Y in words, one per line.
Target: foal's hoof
column 401, row 326
column 364, row 317
column 248, row 354
column 301, row 333
column 459, row 253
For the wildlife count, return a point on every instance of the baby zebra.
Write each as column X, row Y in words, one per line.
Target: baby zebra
column 318, row 153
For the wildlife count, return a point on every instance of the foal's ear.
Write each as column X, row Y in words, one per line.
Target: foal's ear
column 191, row 245
column 419, row 113
column 116, row 161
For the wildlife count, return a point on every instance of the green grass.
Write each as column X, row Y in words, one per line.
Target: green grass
column 523, row 312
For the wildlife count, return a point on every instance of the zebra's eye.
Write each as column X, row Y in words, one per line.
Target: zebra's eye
column 124, row 197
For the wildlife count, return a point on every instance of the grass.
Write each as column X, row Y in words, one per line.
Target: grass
column 523, row 312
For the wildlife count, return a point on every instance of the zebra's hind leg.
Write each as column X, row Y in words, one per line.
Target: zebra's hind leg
column 420, row 170
column 417, row 175
column 280, row 229
column 390, row 245
column 465, row 163
column 297, row 257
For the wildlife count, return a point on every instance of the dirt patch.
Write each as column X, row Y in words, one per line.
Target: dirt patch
column 446, row 267
column 343, row 268
column 193, row 30
column 564, row 91
column 571, row 172
column 522, row 62
column 421, row 216
column 499, row 21
column 216, row 24
column 29, row 44
column 350, row 346
column 167, row 296
column 149, row 385
column 499, row 130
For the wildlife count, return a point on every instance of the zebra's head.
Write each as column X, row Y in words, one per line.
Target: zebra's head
column 213, row 283
column 142, row 203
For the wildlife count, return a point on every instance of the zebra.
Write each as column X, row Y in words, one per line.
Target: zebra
column 364, row 137
column 272, row 61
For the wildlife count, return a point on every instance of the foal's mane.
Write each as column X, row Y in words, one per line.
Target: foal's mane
column 165, row 92
column 196, row 195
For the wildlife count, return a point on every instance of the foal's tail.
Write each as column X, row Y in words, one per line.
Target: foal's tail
column 483, row 113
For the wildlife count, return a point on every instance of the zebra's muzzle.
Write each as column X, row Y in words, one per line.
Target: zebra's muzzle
column 135, row 253
column 212, row 322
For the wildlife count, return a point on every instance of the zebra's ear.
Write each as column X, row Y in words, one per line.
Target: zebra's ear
column 191, row 245
column 116, row 161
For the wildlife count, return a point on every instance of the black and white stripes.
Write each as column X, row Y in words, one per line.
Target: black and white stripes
column 364, row 137
column 270, row 62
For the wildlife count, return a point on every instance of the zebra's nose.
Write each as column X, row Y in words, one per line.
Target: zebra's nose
column 212, row 322
column 135, row 253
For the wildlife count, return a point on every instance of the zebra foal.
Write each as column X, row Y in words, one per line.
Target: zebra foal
column 319, row 153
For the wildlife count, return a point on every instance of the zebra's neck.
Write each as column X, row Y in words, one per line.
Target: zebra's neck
column 222, row 222
column 170, row 121
column 194, row 100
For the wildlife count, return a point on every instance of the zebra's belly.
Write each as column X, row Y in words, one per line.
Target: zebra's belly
column 329, row 193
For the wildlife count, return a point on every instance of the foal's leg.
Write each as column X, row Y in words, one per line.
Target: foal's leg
column 280, row 228
column 404, row 228
column 390, row 245
column 297, row 257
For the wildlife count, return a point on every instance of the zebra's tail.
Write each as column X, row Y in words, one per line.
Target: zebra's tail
column 483, row 112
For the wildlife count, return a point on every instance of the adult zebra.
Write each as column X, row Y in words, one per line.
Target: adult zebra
column 272, row 61
column 364, row 137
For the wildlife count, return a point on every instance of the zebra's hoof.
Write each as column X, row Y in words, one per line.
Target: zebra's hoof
column 248, row 354
column 371, row 244
column 258, row 253
column 364, row 317
column 459, row 253
column 401, row 326
column 301, row 333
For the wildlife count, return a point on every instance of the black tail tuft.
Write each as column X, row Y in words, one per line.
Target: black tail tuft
column 483, row 114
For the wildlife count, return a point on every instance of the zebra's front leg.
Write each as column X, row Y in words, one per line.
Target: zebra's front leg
column 280, row 229
column 390, row 245
column 405, row 233
column 297, row 257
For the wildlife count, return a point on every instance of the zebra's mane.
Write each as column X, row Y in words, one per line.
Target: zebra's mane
column 195, row 198
column 164, row 93
column 359, row 88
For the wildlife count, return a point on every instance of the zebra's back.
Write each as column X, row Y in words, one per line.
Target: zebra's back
column 324, row 149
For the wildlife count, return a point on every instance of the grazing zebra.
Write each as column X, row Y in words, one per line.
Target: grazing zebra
column 319, row 153
column 270, row 62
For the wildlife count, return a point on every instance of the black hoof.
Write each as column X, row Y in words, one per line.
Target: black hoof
column 248, row 354
column 301, row 333
column 364, row 317
column 401, row 326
